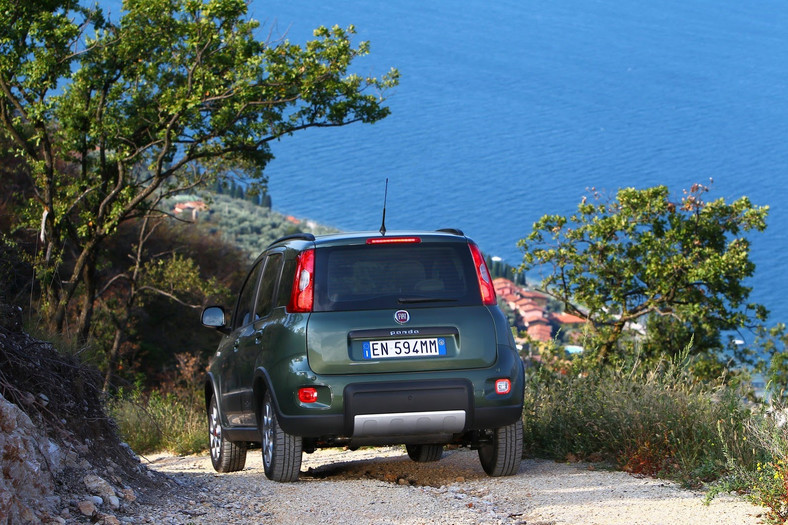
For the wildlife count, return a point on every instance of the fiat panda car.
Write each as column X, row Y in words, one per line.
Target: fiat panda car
column 365, row 339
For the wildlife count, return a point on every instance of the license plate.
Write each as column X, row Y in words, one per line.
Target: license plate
column 393, row 348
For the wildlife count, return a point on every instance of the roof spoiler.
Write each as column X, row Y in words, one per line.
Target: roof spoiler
column 295, row 237
column 453, row 231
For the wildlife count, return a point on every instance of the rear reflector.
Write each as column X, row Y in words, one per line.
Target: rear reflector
column 394, row 240
column 307, row 395
column 303, row 294
column 485, row 281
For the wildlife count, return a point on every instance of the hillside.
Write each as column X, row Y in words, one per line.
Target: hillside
column 62, row 461
column 240, row 221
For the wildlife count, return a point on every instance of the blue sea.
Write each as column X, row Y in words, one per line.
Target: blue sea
column 511, row 110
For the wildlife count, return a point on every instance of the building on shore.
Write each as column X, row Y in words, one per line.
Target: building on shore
column 532, row 315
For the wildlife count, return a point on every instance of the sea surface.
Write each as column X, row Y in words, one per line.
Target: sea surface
column 513, row 109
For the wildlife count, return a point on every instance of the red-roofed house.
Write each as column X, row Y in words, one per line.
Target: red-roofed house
column 565, row 318
column 504, row 286
column 540, row 331
column 539, row 298
column 194, row 206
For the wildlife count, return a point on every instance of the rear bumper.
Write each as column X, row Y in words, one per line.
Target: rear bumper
column 398, row 412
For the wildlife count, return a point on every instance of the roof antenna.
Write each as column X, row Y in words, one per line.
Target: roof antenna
column 385, row 196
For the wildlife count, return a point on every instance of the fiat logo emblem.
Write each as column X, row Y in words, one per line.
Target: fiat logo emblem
column 402, row 316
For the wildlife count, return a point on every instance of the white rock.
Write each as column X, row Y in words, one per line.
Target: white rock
column 98, row 486
column 26, row 481
column 87, row 508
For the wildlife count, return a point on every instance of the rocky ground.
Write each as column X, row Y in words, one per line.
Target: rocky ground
column 383, row 486
column 60, row 457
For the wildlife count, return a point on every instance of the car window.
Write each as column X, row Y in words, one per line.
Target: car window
column 286, row 282
column 265, row 297
column 243, row 312
column 392, row 276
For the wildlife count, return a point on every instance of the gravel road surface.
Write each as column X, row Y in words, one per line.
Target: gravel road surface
column 383, row 486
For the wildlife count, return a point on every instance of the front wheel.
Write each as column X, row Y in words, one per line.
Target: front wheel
column 281, row 451
column 424, row 453
column 226, row 456
column 502, row 455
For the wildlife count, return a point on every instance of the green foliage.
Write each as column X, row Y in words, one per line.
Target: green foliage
column 252, row 228
column 111, row 117
column 14, row 272
column 179, row 278
column 655, row 421
column 676, row 266
column 764, row 477
column 159, row 422
column 150, row 303
column 171, row 418
column 772, row 345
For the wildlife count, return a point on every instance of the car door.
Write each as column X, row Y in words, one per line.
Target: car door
column 252, row 342
column 232, row 377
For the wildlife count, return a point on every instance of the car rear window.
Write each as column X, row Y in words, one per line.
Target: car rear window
column 394, row 276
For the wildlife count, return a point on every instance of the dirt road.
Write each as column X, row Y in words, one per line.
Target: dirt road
column 383, row 486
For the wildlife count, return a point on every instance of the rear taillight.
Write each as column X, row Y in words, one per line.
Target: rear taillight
column 503, row 386
column 485, row 281
column 303, row 294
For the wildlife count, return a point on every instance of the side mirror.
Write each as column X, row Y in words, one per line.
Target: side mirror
column 213, row 317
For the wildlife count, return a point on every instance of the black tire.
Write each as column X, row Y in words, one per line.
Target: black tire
column 502, row 455
column 281, row 451
column 226, row 456
column 424, row 453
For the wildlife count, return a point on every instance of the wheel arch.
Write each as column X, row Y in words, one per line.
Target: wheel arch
column 209, row 391
column 262, row 384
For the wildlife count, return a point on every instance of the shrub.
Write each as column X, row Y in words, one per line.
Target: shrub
column 658, row 421
column 172, row 419
column 763, row 476
column 159, row 422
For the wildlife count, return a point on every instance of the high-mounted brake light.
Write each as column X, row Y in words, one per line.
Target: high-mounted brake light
column 394, row 240
column 485, row 281
column 303, row 294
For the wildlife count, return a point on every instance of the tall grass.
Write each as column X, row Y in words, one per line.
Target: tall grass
column 171, row 418
column 657, row 421
column 765, row 481
column 157, row 422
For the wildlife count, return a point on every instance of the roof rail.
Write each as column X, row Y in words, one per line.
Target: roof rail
column 296, row 236
column 453, row 231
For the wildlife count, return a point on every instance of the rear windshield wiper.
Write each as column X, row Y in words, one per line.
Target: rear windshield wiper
column 406, row 300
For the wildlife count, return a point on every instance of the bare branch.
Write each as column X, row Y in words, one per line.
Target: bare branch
column 169, row 295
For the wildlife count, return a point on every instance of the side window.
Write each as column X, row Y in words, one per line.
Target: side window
column 243, row 312
column 286, row 282
column 265, row 298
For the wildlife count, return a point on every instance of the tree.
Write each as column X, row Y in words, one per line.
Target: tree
column 771, row 344
column 165, row 274
column 643, row 258
column 111, row 115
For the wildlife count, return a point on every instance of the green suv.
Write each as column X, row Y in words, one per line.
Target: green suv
column 365, row 339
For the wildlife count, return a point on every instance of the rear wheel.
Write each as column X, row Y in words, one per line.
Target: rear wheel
column 281, row 451
column 502, row 455
column 226, row 456
column 424, row 453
